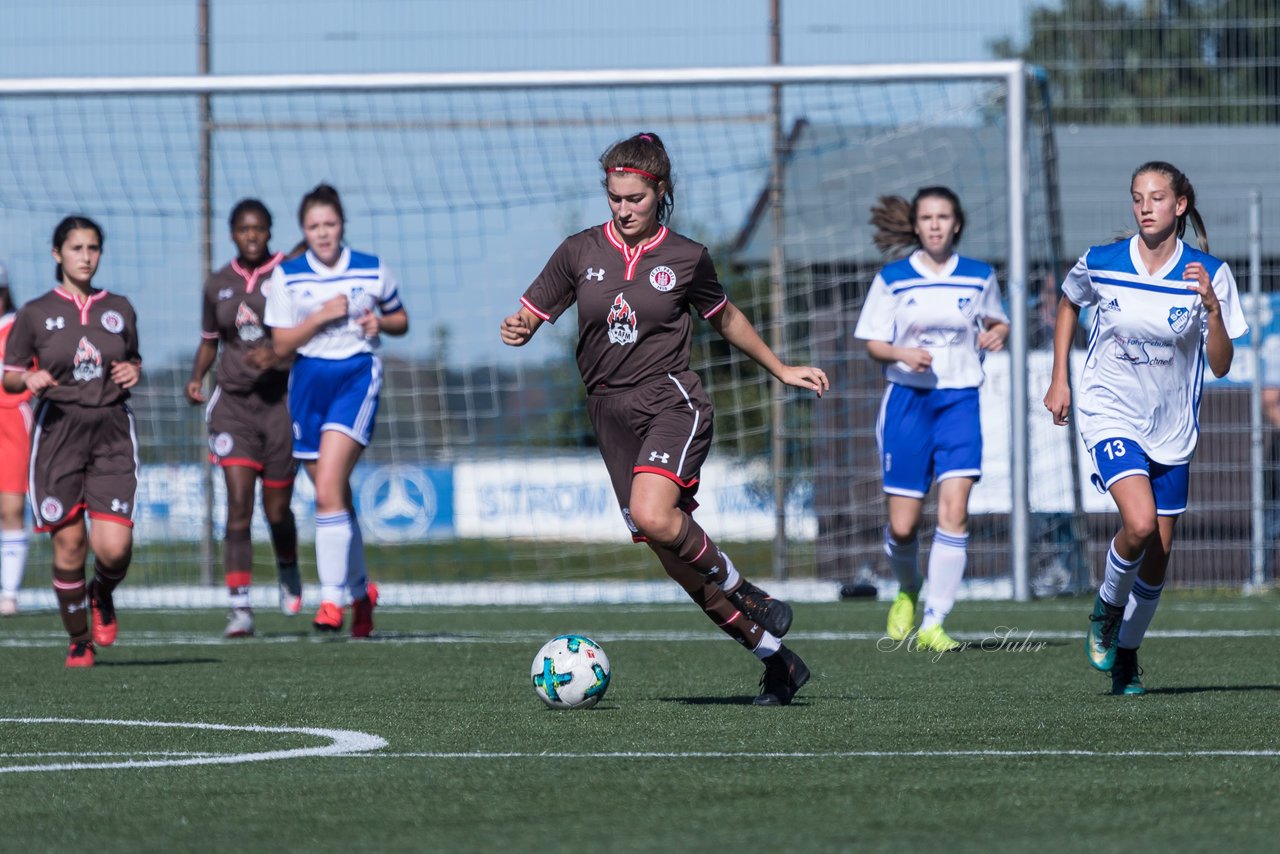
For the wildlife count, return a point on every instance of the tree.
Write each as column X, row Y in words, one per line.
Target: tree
column 1160, row 62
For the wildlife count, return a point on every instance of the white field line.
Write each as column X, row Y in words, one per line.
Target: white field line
column 832, row 754
column 999, row 638
column 341, row 743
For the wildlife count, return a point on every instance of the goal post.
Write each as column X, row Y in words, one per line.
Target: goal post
column 483, row 466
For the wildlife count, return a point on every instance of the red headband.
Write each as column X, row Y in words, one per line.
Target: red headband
column 643, row 174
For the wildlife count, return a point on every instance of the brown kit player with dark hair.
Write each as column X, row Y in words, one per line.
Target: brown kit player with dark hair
column 635, row 282
column 76, row 349
column 250, row 434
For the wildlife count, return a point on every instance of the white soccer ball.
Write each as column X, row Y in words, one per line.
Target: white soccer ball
column 570, row 672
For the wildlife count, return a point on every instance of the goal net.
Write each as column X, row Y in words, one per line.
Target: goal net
column 483, row 465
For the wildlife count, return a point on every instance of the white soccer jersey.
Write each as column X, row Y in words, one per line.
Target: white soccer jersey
column 1145, row 365
column 300, row 285
column 909, row 305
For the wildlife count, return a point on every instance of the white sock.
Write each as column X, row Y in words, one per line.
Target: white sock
column 357, row 572
column 13, row 560
column 1141, row 607
column 333, row 547
column 767, row 646
column 1119, row 577
column 732, row 578
column 904, row 560
column 947, row 559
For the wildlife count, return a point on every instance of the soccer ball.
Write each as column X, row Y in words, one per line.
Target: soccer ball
column 570, row 672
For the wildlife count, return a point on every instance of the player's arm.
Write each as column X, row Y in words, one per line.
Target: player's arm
column 735, row 328
column 1058, row 398
column 13, row 381
column 993, row 335
column 395, row 323
column 286, row 340
column 205, row 354
column 518, row 328
column 915, row 358
column 1218, row 347
column 1271, row 405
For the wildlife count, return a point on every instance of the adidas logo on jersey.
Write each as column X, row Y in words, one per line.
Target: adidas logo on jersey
column 1113, row 305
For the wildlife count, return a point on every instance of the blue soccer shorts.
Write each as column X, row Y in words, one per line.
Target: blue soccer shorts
column 333, row 394
column 1118, row 458
column 928, row 434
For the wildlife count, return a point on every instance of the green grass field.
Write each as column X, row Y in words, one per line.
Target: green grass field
column 1005, row 746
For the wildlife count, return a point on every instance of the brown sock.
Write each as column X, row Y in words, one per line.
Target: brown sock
column 707, row 594
column 68, row 586
column 694, row 547
column 284, row 539
column 106, row 579
column 237, row 560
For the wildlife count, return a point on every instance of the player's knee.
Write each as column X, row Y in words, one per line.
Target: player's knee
column 659, row 524
column 902, row 534
column 1139, row 531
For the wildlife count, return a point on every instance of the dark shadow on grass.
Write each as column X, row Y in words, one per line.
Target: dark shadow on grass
column 157, row 662
column 723, row 701
column 1206, row 689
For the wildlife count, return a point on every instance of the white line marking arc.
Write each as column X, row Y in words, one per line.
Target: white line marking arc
column 342, row 743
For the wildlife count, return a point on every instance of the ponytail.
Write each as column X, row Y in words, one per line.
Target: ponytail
column 895, row 220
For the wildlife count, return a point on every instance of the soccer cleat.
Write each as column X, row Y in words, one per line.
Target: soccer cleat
column 934, row 639
column 104, row 616
column 239, row 623
column 784, row 674
column 290, row 590
column 328, row 618
column 80, row 654
column 760, row 607
column 8, row 605
column 1125, row 673
column 1100, row 642
column 362, row 612
column 902, row 616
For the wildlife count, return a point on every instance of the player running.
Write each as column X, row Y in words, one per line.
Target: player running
column 15, row 456
column 76, row 349
column 635, row 282
column 250, row 434
column 1160, row 309
column 929, row 318
column 329, row 306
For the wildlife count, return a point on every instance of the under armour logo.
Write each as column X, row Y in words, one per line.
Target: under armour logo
column 51, row 323
column 654, row 456
column 595, row 275
column 118, row 506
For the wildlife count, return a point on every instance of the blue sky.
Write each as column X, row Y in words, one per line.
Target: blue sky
column 438, row 232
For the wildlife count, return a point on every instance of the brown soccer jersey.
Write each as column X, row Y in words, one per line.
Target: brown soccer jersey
column 633, row 303
column 234, row 302
column 77, row 341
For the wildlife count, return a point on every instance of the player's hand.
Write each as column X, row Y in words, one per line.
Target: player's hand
column 125, row 374
column 805, row 376
column 332, row 309
column 194, row 390
column 38, row 381
column 1058, row 401
column 992, row 340
column 916, row 358
column 515, row 331
column 1198, row 277
column 369, row 324
column 262, row 358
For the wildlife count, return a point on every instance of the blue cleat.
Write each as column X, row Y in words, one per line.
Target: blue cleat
column 1100, row 642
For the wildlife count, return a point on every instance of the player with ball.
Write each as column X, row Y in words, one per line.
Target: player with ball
column 635, row 283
